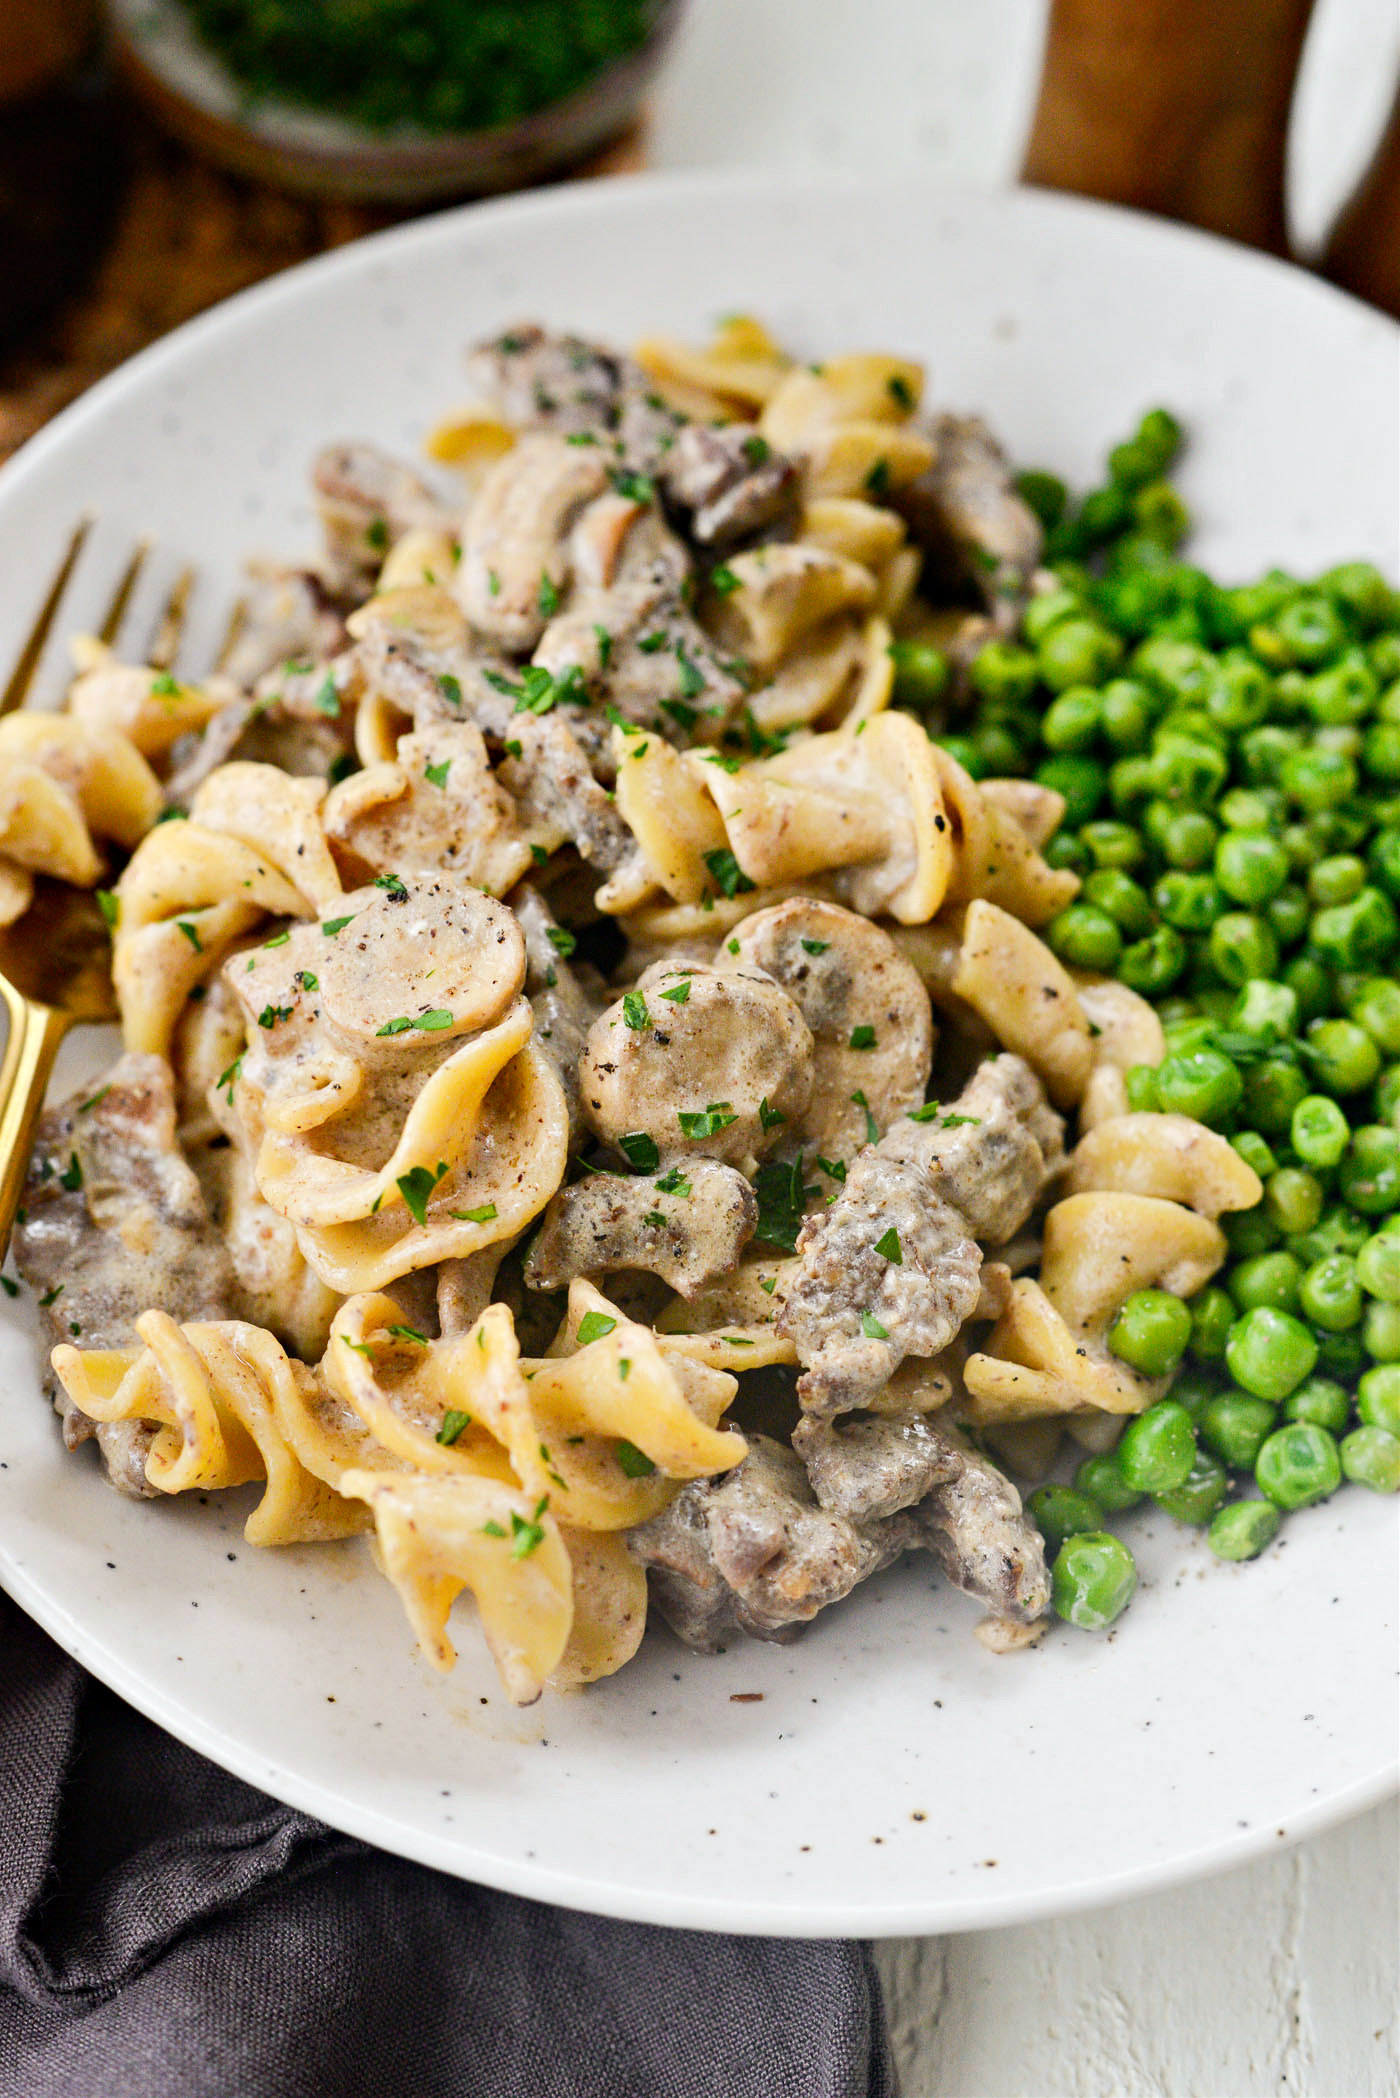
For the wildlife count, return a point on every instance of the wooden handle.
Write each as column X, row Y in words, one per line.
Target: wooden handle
column 35, row 1033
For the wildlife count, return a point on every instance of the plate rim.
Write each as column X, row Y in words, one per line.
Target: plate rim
column 571, row 1887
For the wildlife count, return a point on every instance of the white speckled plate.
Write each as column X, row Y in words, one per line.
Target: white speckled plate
column 885, row 1774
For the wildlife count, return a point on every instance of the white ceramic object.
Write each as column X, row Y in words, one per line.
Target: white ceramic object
column 892, row 1776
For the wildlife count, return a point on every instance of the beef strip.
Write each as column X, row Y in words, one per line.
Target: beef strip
column 870, row 1465
column 656, row 666
column 114, row 1222
column 727, row 484
column 287, row 616
column 537, row 381
column 973, row 525
column 939, row 1186
column 752, row 1551
column 565, row 1005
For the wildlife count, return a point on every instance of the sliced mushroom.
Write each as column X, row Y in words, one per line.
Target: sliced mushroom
column 564, row 1005
column 515, row 541
column 967, row 514
column 1166, row 1155
column 700, row 1063
column 728, row 482
column 870, row 1018
column 687, row 1234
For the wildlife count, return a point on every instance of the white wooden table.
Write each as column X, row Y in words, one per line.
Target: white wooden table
column 1279, row 1980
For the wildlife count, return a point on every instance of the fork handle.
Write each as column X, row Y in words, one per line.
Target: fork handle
column 35, row 1033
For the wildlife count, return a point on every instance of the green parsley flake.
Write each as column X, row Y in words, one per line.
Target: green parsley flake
column 834, row 1168
column 899, row 389
column 634, row 1011
column 72, row 1175
column 815, row 946
column 361, row 1347
column 624, row 1368
column 723, row 580
column 271, row 1014
column 727, row 873
column 392, row 887
column 674, row 1182
column 641, row 1150
column 9, row 1285
column 890, row 1249
column 681, row 712
column 109, row 905
column 400, row 1025
column 697, row 1122
column 334, row 925
column 493, row 583
column 191, row 933
column 484, row 1213
column 561, row 940
column 548, row 598
column 770, row 1117
column 731, row 946
column 51, row 1296
column 863, row 1037
column 454, row 1425
column 377, row 533
column 872, row 1127
column 594, row 1325
column 491, row 1529
column 692, row 677
column 605, row 641
column 327, row 700
column 932, row 1111
column 636, row 488
column 450, row 688
column 416, row 1185
column 538, row 855
column 633, row 1461
column 652, row 644
column 872, row 1329
column 436, row 775
column 279, row 939
column 877, row 481
column 768, row 1283
column 679, row 993
column 164, row 685
column 782, row 1198
column 435, row 1021
column 94, row 1100
column 408, row 1333
column 525, row 1536
column 655, row 1219
column 173, row 816
column 229, row 1078
column 756, row 450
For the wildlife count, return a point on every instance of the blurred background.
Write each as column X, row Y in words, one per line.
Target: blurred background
column 156, row 155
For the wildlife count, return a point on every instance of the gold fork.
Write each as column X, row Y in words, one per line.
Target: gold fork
column 55, row 960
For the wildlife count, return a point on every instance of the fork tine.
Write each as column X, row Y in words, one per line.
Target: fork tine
column 171, row 625
column 22, row 676
column 237, row 620
column 121, row 597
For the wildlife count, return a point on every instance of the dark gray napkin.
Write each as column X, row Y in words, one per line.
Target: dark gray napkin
column 168, row 1932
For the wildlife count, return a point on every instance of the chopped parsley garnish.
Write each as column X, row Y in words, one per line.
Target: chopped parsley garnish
column 450, row 688
column 561, row 940
column 307, row 981
column 641, row 1150
column 164, row 685
column 633, row 1461
column 94, row 1100
column 890, row 1249
column 538, row 855
column 637, row 488
column 715, row 757
column 756, row 450
column 872, row 1127
column 655, row 1219
column 377, row 534
column 724, row 580
column 899, row 389
column 191, row 933
column 408, row 1333
column 707, row 1121
column 834, row 1168
column 581, row 437
column 341, row 768
column 416, row 1185
column 327, row 700
column 692, row 676
column 109, row 905
column 454, row 1425
column 492, row 1529
column 173, row 816
column 932, row 1111
column 514, row 748
column 271, row 1014
column 484, row 1213
column 877, row 481
column 279, row 939
column 727, row 872
column 673, row 1182
column 229, row 1078
column 435, row 1021
column 782, row 1199
column 604, row 645
column 634, row 1011
column 815, row 946
column 436, row 775
column 678, row 993
column 400, row 1025
column 731, row 946
column 624, row 1371
column 652, row 644
column 392, row 887
column 768, row 1283
column 863, row 1037
column 681, row 712
column 872, row 1329
column 770, row 1117
column 526, row 1535
column 72, row 1175
column 9, row 1285
column 594, row 1325
column 51, row 1296
column 334, row 925
column 493, row 583
column 548, row 597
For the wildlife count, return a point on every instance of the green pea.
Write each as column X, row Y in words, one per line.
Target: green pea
column 1380, row 1332
column 1362, row 592
column 1269, row 1278
column 1239, row 695
column 1092, row 1580
column 1236, row 1428
column 1110, row 889
column 1113, row 844
column 1159, row 511
column 1077, row 652
column 1267, row 1011
column 1184, row 1036
column 1380, row 750
column 1293, row 1197
column 1299, row 1464
column 1288, row 914
column 1342, row 1057
column 1371, row 1458
column 1152, row 966
column 1193, row 1386
column 1243, row 1529
column 1343, row 695
column 1370, row 1172
column 1190, row 902
column 1158, row 1448
column 1378, row 1267
column 1084, row 937
column 1387, row 1097
column 1255, row 1153
column 1072, row 722
column 965, row 751
column 1309, row 631
column 1330, row 1294
column 1250, row 866
column 1151, row 1331
column 1001, row 670
column 1099, row 1477
column 1378, row 1398
column 1140, row 1085
column 1001, row 748
column 1276, row 1085
column 1320, row 1132
column 1319, row 1399
column 1242, row 945
column 1338, row 1232
column 1065, row 850
column 1187, row 838
column 921, row 674
column 1180, row 670
column 1336, row 879
column 1080, row 780
column 1270, row 1352
column 1250, row 809
column 1376, row 1007
column 1318, row 779
column 1356, row 934
column 1203, row 1084
column 1199, row 1494
column 1249, row 1232
column 1126, row 712
column 1187, row 769
column 1383, row 656
column 1059, row 1512
column 1212, row 1315
column 1383, row 854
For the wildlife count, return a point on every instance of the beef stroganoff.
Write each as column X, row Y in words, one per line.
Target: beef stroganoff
column 598, row 1111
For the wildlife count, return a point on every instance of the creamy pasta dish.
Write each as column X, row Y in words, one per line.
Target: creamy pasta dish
column 597, row 1111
